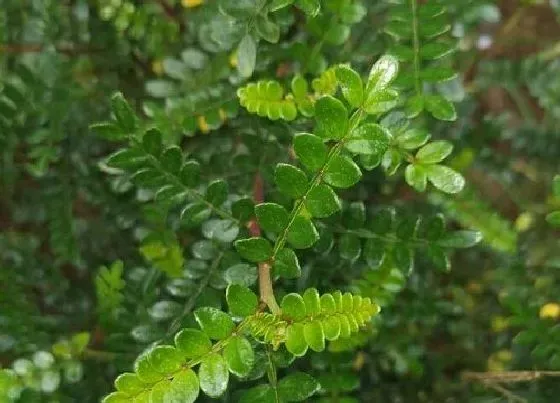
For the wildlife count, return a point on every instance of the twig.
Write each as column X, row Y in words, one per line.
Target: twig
column 265, row 280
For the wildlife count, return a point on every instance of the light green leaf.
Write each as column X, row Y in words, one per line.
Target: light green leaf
column 351, row 84
column 279, row 4
column 215, row 323
column 383, row 72
column 192, row 343
column 460, row 239
column 241, row 300
column 286, row 264
column 295, row 340
column 310, row 150
column 434, row 152
column 312, row 301
column 331, row 117
column 239, row 356
column 271, row 216
column 322, row 201
column 445, row 178
column 254, row 249
column 331, row 327
column 129, row 383
column 184, row 387
column 381, row 101
column 165, row 359
column 246, row 56
column 314, row 335
column 213, row 375
column 297, row 387
column 416, row 177
column 293, row 307
column 342, row 172
column 413, row 138
column 368, row 139
column 291, row 180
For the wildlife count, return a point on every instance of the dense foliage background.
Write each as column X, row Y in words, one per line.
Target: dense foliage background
column 96, row 267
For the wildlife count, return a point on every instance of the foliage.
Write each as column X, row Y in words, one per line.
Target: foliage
column 278, row 201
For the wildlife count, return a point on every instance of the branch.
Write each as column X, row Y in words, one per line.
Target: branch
column 265, row 280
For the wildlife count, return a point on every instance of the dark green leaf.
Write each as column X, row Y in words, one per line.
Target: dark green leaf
column 271, row 216
column 310, row 150
column 297, row 387
column 286, row 264
column 342, row 172
column 192, row 343
column 291, row 180
column 302, row 233
column 440, row 108
column 254, row 249
column 351, row 84
column 368, row 139
column 331, row 117
column 322, row 201
column 239, row 356
column 123, row 113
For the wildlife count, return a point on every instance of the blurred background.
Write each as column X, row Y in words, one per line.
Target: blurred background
column 73, row 316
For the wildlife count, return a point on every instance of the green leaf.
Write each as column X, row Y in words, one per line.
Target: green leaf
column 286, row 264
column 312, row 301
column 416, row 177
column 217, row 192
column 239, row 356
column 291, row 180
column 556, row 186
column 172, row 159
column 246, row 56
column 445, row 178
column 368, row 139
column 437, row 74
column 350, row 247
column 115, row 397
column 383, row 72
column 260, row 394
column 293, row 307
column 242, row 274
column 314, row 335
column 279, row 4
column 241, row 300
column 310, row 150
column 414, row 106
column 381, row 101
column 413, row 138
column 436, row 50
column 165, row 359
column 351, row 84
column 129, row 383
column 331, row 117
column 440, row 108
column 123, row 113
column 220, row 230
column 271, row 216
column 152, row 143
column 460, row 239
column 108, row 131
column 322, row 201
column 297, row 387
column 302, row 233
column 215, row 323
column 309, row 7
column 190, row 174
column 145, row 371
column 295, row 340
column 213, row 375
column 184, row 387
column 331, row 327
column 254, row 249
column 554, row 218
column 267, row 29
column 434, row 152
column 192, row 343
column 342, row 172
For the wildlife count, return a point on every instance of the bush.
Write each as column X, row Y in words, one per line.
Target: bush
column 279, row 201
